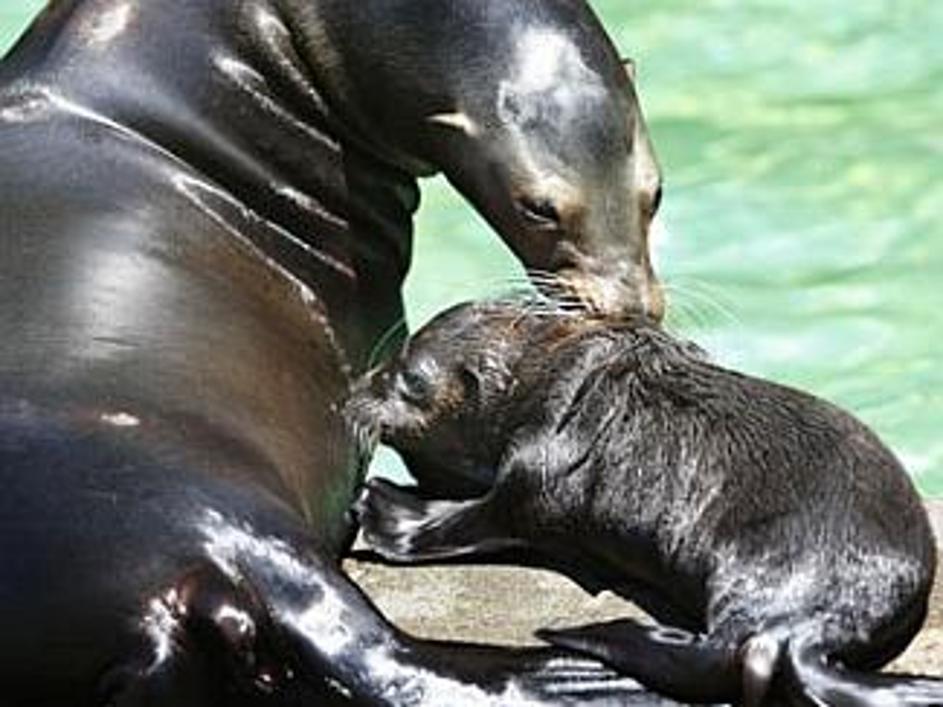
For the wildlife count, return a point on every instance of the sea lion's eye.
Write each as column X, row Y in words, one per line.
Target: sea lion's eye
column 539, row 212
column 655, row 202
column 414, row 387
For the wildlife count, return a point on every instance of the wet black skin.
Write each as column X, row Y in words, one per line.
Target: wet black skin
column 781, row 546
column 205, row 222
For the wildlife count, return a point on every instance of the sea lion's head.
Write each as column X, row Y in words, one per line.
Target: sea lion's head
column 528, row 110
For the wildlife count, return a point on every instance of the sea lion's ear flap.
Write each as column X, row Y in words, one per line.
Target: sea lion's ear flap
column 629, row 66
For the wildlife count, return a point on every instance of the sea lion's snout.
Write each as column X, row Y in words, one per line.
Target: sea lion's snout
column 394, row 402
column 359, row 412
column 379, row 409
column 612, row 286
column 630, row 293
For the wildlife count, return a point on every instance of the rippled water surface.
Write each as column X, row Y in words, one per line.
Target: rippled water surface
column 801, row 143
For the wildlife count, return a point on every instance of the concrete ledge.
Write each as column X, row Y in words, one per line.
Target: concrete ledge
column 505, row 605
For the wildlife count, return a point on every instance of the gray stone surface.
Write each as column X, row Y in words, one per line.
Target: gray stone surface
column 505, row 605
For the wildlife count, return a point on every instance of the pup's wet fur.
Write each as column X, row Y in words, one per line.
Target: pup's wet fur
column 779, row 539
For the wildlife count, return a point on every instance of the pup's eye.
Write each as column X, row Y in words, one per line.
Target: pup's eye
column 414, row 387
column 539, row 212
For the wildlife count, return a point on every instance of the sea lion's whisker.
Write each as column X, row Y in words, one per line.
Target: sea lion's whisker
column 384, row 340
column 684, row 316
column 705, row 289
column 693, row 297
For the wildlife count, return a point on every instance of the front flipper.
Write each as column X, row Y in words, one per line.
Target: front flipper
column 404, row 528
column 673, row 662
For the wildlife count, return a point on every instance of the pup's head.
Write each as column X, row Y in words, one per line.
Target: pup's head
column 443, row 401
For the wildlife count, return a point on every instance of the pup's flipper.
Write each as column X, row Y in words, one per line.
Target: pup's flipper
column 813, row 678
column 673, row 662
column 401, row 527
column 532, row 676
column 691, row 668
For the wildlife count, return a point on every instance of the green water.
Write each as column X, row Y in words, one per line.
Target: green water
column 801, row 143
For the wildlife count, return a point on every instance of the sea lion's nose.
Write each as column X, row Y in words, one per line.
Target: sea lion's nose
column 628, row 294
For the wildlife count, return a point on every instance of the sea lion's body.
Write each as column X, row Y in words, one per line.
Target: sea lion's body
column 203, row 230
column 772, row 527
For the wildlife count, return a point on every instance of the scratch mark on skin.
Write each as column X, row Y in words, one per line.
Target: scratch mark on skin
column 120, row 419
column 459, row 121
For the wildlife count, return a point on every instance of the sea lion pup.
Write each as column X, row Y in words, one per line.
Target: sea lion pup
column 775, row 534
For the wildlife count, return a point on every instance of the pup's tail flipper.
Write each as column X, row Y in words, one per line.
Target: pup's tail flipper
column 673, row 662
column 812, row 679
column 692, row 668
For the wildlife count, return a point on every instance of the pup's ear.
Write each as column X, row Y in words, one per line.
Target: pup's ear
column 494, row 371
column 471, row 381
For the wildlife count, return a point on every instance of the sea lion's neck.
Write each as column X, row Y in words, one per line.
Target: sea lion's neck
column 221, row 87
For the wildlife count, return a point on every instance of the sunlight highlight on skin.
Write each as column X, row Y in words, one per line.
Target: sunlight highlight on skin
column 109, row 24
column 543, row 56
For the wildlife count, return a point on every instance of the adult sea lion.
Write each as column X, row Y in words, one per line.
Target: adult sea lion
column 205, row 221
column 779, row 540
